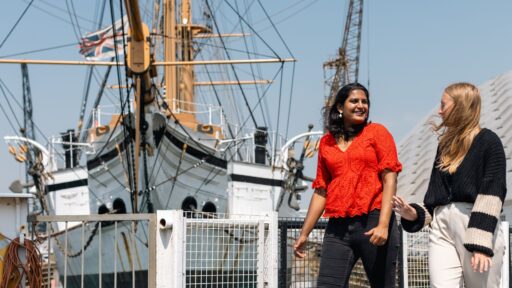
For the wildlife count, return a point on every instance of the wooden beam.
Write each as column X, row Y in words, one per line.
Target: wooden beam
column 170, row 63
column 209, row 83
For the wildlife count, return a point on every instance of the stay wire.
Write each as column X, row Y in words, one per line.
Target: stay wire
column 8, row 119
column 252, row 29
column 16, row 24
column 290, row 101
column 205, row 43
column 39, row 50
column 89, row 77
column 209, row 178
column 233, row 69
column 10, row 108
column 251, row 65
column 275, row 29
column 73, row 24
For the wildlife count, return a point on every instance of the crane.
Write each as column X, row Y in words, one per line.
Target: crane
column 346, row 63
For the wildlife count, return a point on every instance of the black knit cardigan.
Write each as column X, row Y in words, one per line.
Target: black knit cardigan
column 480, row 179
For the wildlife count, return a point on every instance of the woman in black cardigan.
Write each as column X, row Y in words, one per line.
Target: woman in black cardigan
column 464, row 198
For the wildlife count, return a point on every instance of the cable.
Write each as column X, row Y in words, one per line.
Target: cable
column 39, row 50
column 232, row 67
column 292, row 15
column 275, row 29
column 76, row 27
column 213, row 45
column 17, row 270
column 251, row 66
column 290, row 100
column 16, row 24
column 10, row 107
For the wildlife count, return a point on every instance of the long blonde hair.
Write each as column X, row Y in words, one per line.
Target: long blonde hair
column 457, row 130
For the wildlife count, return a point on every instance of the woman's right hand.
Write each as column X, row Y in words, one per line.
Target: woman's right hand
column 299, row 246
column 403, row 208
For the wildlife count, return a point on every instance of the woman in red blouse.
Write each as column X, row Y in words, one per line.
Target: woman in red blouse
column 354, row 187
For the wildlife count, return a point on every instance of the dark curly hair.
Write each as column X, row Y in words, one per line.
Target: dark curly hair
column 333, row 123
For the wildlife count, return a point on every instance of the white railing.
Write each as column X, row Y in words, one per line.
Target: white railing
column 206, row 113
column 166, row 249
column 225, row 251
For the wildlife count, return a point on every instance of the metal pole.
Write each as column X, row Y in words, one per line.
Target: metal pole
column 100, row 270
column 404, row 275
column 283, row 229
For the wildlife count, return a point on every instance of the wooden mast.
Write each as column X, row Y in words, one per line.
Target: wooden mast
column 170, row 51
column 186, row 75
column 138, row 61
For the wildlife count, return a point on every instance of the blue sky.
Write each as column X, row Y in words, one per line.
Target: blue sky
column 410, row 51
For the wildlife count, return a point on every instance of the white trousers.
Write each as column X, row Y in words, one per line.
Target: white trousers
column 448, row 261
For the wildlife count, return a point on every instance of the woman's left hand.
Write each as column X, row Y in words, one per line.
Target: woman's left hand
column 378, row 235
column 480, row 262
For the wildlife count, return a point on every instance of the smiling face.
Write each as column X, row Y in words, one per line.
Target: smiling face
column 355, row 108
column 446, row 106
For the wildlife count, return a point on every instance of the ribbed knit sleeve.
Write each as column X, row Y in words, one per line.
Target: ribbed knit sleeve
column 488, row 204
column 424, row 218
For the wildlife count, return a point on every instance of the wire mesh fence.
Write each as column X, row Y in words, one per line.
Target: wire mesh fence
column 416, row 258
column 412, row 262
column 210, row 251
column 226, row 251
column 303, row 272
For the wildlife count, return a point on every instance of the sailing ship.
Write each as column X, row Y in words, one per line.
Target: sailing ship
column 186, row 134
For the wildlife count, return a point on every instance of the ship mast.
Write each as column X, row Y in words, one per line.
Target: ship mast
column 138, row 61
column 346, row 62
column 178, row 43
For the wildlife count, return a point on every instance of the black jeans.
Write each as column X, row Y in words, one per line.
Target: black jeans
column 345, row 242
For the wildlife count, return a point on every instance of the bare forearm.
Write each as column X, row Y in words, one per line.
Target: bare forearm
column 388, row 191
column 315, row 210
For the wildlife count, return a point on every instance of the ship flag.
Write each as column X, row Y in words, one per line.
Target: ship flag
column 100, row 45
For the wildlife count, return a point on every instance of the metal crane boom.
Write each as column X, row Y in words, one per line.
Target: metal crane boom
column 346, row 62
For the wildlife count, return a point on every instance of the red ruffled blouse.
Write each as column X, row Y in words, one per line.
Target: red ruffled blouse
column 352, row 178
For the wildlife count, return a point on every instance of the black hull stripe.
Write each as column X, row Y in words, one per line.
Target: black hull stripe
column 107, row 156
column 210, row 159
column 256, row 180
column 66, row 185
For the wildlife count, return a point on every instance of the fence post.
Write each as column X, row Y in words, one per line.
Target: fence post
column 505, row 268
column 404, row 265
column 152, row 230
column 273, row 239
column 170, row 248
column 283, row 230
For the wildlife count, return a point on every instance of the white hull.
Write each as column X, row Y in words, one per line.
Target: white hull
column 205, row 180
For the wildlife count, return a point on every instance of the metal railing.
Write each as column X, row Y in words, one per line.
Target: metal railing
column 103, row 250
column 173, row 249
column 412, row 268
column 166, row 249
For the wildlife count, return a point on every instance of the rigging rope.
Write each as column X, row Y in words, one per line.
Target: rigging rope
column 17, row 270
column 252, row 69
column 76, row 27
column 290, row 101
column 39, row 50
column 233, row 69
column 12, row 111
column 89, row 75
column 16, row 24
